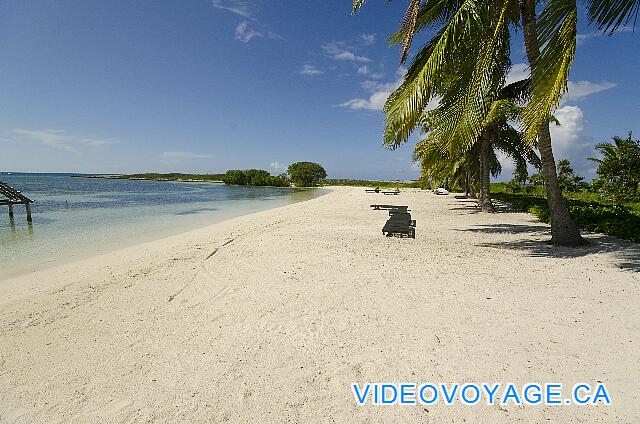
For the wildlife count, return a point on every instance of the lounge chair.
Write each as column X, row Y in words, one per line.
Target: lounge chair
column 374, row 190
column 401, row 224
column 396, row 192
column 389, row 207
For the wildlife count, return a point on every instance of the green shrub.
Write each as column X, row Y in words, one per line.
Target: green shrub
column 588, row 211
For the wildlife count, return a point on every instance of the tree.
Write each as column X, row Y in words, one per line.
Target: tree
column 257, row 177
column 477, row 162
column 253, row 177
column 306, row 174
column 619, row 170
column 472, row 46
column 537, row 179
column 520, row 175
column 550, row 74
column 567, row 179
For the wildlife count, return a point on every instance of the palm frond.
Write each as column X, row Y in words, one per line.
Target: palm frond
column 408, row 27
column 609, row 15
column 431, row 14
column 465, row 62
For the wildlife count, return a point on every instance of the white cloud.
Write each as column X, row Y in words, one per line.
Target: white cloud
column 570, row 141
column 580, row 89
column 350, row 56
column 584, row 37
column 308, row 69
column 180, row 156
column 274, row 35
column 363, row 70
column 240, row 8
column 277, row 166
column 518, row 71
column 61, row 140
column 245, row 9
column 379, row 94
column 375, row 102
column 368, row 39
column 339, row 51
column 576, row 90
column 245, row 34
column 507, row 164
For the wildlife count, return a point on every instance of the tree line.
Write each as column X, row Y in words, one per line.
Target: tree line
column 300, row 174
column 618, row 171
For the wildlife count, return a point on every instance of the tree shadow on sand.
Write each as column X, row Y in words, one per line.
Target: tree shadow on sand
column 470, row 206
column 627, row 254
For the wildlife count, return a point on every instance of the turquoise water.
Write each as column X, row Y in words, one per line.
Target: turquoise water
column 73, row 217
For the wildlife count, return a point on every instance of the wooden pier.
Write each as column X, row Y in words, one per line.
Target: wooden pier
column 14, row 197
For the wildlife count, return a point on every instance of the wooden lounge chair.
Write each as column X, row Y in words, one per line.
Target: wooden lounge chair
column 374, row 190
column 389, row 207
column 396, row 192
column 400, row 224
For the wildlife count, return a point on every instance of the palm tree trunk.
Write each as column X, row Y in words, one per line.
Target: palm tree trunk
column 485, row 178
column 564, row 232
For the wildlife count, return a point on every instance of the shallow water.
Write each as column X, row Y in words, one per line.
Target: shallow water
column 76, row 216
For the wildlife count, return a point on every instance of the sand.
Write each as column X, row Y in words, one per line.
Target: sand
column 270, row 317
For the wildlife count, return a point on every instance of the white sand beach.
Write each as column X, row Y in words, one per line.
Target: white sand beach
column 270, row 317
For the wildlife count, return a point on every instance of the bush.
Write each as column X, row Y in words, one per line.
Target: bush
column 591, row 215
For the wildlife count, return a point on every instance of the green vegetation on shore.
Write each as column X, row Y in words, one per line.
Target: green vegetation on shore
column 253, row 177
column 590, row 210
column 301, row 174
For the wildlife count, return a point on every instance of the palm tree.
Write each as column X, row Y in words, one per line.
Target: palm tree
column 478, row 161
column 472, row 47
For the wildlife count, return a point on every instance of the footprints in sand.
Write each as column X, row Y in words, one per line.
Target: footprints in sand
column 204, row 268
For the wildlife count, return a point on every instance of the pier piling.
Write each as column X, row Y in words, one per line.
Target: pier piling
column 14, row 197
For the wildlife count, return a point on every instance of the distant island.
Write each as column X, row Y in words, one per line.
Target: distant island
column 173, row 176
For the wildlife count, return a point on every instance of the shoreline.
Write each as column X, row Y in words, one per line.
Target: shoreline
column 270, row 317
column 46, row 262
column 10, row 286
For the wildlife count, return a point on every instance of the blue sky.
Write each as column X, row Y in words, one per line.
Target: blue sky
column 208, row 85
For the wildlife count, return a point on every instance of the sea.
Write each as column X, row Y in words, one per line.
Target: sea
column 75, row 216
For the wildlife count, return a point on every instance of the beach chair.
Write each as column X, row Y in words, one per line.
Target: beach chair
column 400, row 224
column 374, row 190
column 394, row 192
column 389, row 207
